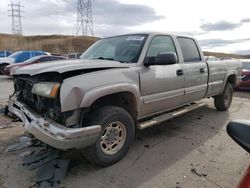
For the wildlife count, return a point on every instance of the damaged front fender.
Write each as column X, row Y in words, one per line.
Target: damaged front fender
column 83, row 90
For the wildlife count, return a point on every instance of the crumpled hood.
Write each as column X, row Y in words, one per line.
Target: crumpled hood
column 68, row 65
column 6, row 60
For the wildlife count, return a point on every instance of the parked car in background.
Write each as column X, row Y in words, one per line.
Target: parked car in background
column 245, row 79
column 5, row 53
column 246, row 64
column 55, row 54
column 73, row 55
column 33, row 60
column 211, row 58
column 18, row 57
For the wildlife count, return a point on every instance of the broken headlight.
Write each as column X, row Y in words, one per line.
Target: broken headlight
column 46, row 89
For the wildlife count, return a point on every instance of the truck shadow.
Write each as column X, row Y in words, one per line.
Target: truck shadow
column 155, row 150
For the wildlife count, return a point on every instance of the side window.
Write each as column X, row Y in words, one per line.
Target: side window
column 8, row 53
column 57, row 58
column 160, row 44
column 22, row 57
column 189, row 49
column 2, row 54
column 36, row 53
column 44, row 59
column 40, row 53
column 245, row 78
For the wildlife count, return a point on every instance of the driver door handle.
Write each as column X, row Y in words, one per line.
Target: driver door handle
column 179, row 72
column 202, row 70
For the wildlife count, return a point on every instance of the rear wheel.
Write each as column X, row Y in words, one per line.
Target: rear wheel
column 223, row 101
column 118, row 130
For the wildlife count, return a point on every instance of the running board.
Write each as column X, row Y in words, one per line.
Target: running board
column 169, row 115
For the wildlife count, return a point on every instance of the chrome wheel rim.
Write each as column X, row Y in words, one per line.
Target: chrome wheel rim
column 113, row 138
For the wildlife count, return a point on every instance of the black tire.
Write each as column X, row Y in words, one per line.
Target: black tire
column 2, row 67
column 223, row 101
column 105, row 116
column 6, row 110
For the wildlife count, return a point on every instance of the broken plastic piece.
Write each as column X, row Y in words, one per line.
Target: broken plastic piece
column 61, row 169
column 46, row 172
column 41, row 162
column 24, row 142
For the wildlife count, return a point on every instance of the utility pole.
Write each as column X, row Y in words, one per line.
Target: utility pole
column 15, row 14
column 84, row 22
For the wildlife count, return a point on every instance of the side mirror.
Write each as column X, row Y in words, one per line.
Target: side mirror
column 239, row 131
column 163, row 58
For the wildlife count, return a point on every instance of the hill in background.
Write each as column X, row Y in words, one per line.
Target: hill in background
column 52, row 43
column 225, row 55
column 64, row 44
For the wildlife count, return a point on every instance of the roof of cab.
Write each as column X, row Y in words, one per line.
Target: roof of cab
column 154, row 33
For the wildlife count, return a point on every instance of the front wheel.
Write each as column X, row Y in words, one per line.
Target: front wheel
column 223, row 101
column 2, row 67
column 118, row 131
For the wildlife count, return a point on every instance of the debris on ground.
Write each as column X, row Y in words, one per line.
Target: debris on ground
column 26, row 153
column 2, row 110
column 194, row 171
column 51, row 167
column 199, row 116
column 5, row 124
column 24, row 142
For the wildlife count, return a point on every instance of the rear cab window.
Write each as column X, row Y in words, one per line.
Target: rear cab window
column 190, row 51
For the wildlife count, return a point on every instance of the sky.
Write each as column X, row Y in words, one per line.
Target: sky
column 219, row 25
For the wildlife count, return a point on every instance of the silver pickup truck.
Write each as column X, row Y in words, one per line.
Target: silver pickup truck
column 120, row 84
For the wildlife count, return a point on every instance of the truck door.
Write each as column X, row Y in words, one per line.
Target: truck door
column 162, row 86
column 195, row 70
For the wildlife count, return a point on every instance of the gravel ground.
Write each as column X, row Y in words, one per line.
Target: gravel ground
column 191, row 151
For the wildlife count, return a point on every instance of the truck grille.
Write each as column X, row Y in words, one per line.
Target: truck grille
column 23, row 90
column 42, row 105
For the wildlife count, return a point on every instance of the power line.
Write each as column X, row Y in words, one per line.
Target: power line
column 84, row 22
column 16, row 17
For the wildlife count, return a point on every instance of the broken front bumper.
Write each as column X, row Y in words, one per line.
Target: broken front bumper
column 52, row 133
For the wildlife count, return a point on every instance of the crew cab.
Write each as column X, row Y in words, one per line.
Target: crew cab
column 120, row 84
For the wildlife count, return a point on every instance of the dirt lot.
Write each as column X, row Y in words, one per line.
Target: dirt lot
column 193, row 150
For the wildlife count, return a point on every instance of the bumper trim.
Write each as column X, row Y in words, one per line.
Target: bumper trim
column 52, row 133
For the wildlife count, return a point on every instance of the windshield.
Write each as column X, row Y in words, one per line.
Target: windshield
column 246, row 65
column 15, row 54
column 126, row 48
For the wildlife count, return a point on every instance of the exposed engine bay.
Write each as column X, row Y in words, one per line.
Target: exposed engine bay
column 47, row 107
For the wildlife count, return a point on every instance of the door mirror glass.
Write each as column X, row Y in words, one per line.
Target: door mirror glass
column 163, row 58
column 239, row 131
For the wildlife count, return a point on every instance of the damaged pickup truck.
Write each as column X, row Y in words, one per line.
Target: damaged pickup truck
column 120, row 84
